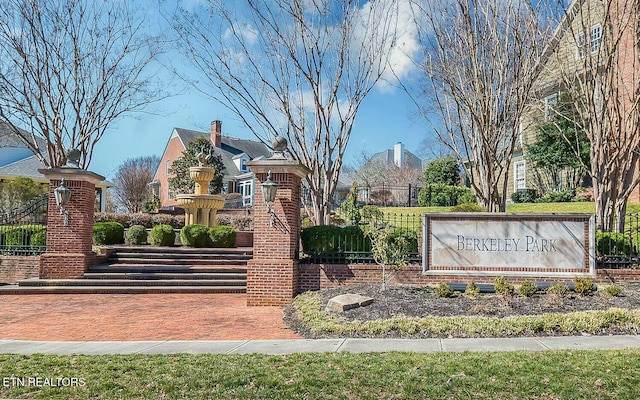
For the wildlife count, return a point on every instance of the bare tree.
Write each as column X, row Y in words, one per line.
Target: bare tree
column 368, row 172
column 132, row 180
column 598, row 64
column 297, row 68
column 69, row 68
column 481, row 59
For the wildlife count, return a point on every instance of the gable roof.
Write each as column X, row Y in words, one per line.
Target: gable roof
column 230, row 147
column 9, row 138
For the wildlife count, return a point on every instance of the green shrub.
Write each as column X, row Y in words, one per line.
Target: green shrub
column 527, row 289
column 38, row 239
column 371, row 213
column 107, row 233
column 613, row 290
column 502, row 287
column 557, row 196
column 524, row 196
column 444, row 290
column 16, row 239
column 444, row 195
column 320, row 239
column 467, row 207
column 558, row 289
column 137, row 234
column 162, row 235
column 196, row 236
column 613, row 244
column 411, row 239
column 352, row 238
column 222, row 236
column 584, row 286
column 472, row 289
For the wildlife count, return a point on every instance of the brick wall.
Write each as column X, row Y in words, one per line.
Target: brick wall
column 323, row 276
column 16, row 268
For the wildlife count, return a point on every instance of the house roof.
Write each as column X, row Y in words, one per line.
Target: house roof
column 230, row 148
column 28, row 168
column 9, row 138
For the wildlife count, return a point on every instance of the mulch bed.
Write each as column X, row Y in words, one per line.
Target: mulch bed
column 413, row 301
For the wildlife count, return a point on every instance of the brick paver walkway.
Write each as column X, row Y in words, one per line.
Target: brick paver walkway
column 138, row 317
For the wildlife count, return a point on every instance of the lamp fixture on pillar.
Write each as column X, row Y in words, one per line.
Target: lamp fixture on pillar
column 269, row 189
column 63, row 194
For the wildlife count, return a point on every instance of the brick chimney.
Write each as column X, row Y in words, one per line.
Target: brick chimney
column 216, row 133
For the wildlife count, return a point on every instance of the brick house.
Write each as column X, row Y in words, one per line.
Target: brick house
column 233, row 152
column 578, row 36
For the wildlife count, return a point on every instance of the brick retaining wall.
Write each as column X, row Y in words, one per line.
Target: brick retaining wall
column 15, row 268
column 323, row 276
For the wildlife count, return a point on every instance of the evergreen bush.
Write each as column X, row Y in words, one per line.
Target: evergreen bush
column 195, row 236
column 107, row 233
column 137, row 234
column 222, row 236
column 162, row 235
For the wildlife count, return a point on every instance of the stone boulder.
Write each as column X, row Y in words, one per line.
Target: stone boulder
column 346, row 302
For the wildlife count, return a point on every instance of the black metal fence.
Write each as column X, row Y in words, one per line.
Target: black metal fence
column 334, row 244
column 24, row 231
column 352, row 244
column 620, row 250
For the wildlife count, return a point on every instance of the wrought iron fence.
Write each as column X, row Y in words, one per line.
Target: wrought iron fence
column 24, row 231
column 620, row 249
column 352, row 244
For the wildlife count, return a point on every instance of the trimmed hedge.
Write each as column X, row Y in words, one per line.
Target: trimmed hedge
column 444, row 195
column 613, row 244
column 136, row 234
column 411, row 237
column 24, row 239
column 162, row 235
column 222, row 236
column 320, row 239
column 107, row 233
column 195, row 236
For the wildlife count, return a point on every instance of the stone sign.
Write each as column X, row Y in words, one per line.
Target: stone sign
column 509, row 244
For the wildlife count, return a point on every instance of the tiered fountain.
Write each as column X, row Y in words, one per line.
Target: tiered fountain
column 201, row 207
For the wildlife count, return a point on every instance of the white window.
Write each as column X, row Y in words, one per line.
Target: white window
column 168, row 166
column 243, row 167
column 596, row 38
column 245, row 188
column 519, row 176
column 594, row 42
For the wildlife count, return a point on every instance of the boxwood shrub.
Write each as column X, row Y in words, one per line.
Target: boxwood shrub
column 410, row 235
column 445, row 195
column 195, row 236
column 613, row 244
column 107, row 233
column 320, row 239
column 136, row 234
column 162, row 235
column 222, row 236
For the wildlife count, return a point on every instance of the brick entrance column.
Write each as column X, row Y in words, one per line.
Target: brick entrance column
column 69, row 250
column 272, row 276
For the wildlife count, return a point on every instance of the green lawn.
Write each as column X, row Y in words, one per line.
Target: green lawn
column 573, row 207
column 506, row 375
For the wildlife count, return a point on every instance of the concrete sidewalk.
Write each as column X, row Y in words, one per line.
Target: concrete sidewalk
column 275, row 347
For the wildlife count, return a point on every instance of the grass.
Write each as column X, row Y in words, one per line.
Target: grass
column 507, row 375
column 570, row 207
column 309, row 307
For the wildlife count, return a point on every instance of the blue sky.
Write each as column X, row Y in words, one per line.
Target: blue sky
column 386, row 117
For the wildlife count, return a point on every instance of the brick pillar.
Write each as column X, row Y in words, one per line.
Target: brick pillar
column 69, row 248
column 272, row 274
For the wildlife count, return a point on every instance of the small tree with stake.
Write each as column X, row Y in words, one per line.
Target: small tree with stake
column 390, row 251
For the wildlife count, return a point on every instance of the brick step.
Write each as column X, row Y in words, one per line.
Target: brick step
column 246, row 251
column 174, row 261
column 19, row 290
column 165, row 275
column 130, row 282
column 185, row 256
column 173, row 269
